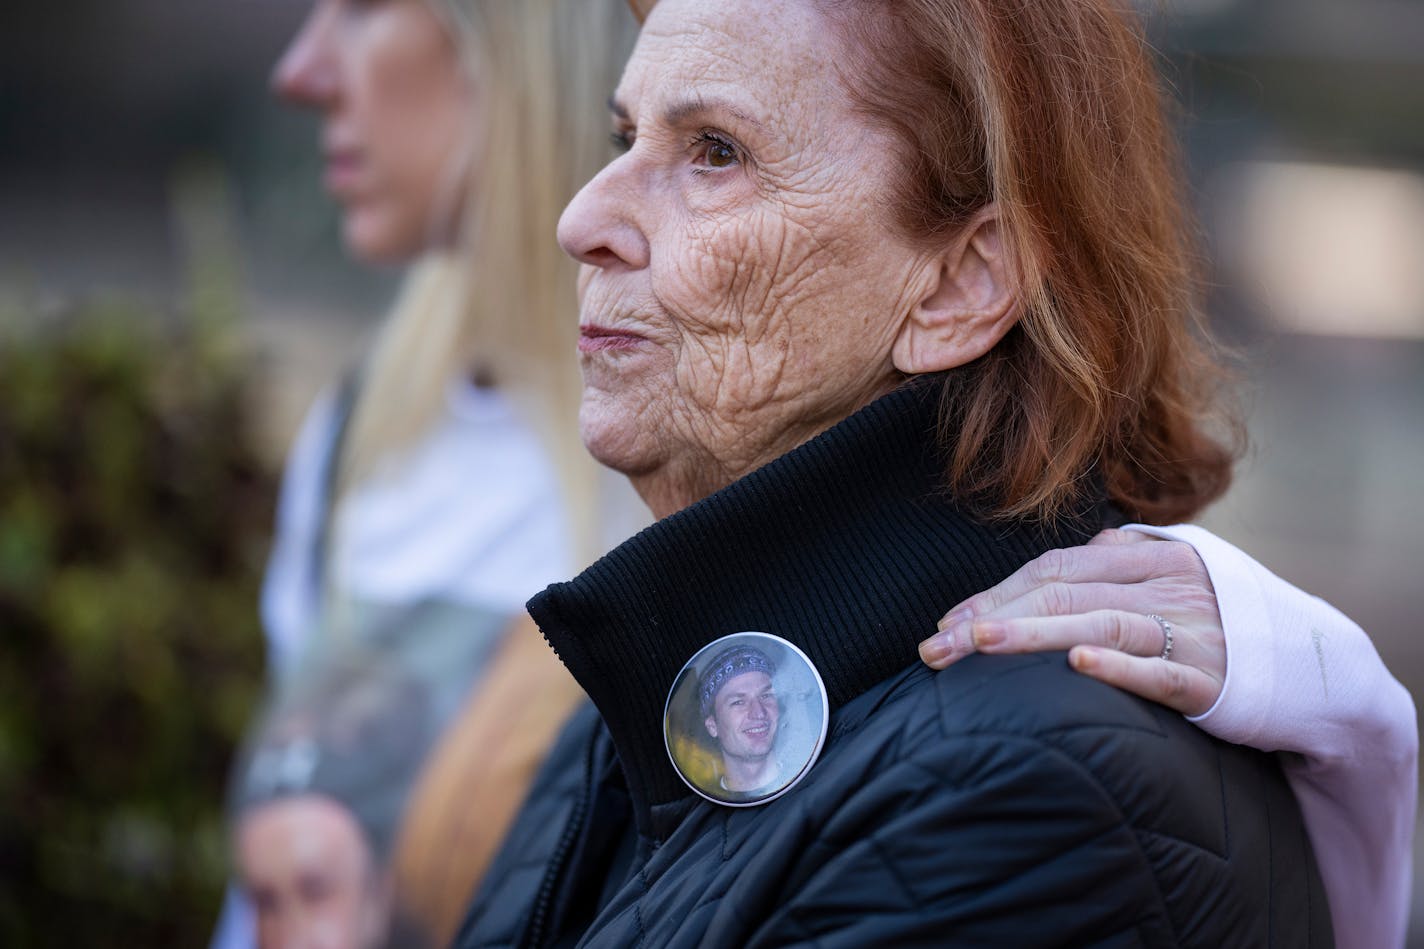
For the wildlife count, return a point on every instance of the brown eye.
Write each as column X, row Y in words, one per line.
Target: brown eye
column 721, row 155
column 716, row 151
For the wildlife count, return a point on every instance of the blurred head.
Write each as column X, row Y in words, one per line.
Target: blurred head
column 319, row 800
column 821, row 198
column 399, row 119
column 455, row 132
column 312, row 878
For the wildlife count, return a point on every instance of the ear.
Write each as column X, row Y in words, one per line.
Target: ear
column 710, row 724
column 970, row 302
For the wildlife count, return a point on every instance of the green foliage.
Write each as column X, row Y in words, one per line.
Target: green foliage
column 134, row 516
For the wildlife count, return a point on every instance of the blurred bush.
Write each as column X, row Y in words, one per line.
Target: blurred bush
column 134, row 516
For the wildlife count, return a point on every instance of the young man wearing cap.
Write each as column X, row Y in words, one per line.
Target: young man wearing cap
column 741, row 713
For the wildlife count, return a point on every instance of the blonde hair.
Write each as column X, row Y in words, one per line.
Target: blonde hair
column 500, row 302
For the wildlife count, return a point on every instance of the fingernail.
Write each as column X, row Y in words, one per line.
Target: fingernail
column 938, row 649
column 988, row 634
column 1083, row 658
column 954, row 617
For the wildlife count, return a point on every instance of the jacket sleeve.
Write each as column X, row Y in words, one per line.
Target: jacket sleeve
column 1302, row 677
column 992, row 842
column 1017, row 803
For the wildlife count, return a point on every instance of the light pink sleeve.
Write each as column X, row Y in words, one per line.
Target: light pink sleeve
column 1302, row 677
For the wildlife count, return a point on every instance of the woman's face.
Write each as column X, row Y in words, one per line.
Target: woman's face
column 743, row 286
column 397, row 111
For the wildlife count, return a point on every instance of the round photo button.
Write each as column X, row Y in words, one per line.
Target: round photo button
column 746, row 719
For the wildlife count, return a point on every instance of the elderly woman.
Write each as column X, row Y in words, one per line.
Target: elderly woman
column 876, row 282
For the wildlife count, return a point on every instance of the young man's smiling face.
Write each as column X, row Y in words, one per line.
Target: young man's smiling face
column 744, row 716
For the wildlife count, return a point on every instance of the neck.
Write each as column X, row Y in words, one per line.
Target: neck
column 747, row 774
column 848, row 547
column 667, row 490
column 698, row 473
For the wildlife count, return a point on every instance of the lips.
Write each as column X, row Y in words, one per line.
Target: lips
column 600, row 339
column 343, row 169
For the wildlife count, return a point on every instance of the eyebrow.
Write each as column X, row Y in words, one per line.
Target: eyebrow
column 736, row 692
column 684, row 111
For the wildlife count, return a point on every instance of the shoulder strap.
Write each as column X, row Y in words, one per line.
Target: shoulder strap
column 346, row 393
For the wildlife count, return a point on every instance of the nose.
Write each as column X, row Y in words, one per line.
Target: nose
column 600, row 227
column 307, row 74
column 758, row 710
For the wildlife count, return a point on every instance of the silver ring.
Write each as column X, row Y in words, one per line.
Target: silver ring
column 1166, row 635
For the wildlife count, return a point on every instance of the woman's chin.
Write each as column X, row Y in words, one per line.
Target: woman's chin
column 374, row 241
column 614, row 443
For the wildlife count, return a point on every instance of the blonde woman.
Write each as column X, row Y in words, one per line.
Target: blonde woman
column 441, row 484
column 454, row 131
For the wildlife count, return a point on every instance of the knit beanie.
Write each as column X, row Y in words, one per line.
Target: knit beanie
column 726, row 666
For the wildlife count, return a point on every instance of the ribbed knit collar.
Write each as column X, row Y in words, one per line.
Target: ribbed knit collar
column 847, row 546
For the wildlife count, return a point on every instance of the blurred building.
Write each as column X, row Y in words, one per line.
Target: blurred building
column 1304, row 123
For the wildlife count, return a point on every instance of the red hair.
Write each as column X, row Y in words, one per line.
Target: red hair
column 1051, row 110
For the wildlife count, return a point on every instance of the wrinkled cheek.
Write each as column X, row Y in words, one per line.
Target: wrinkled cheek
column 742, row 270
column 708, row 277
column 736, row 337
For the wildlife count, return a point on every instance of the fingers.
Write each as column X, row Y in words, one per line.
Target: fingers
column 1187, row 689
column 1120, row 649
column 947, row 646
column 1033, row 632
column 1069, row 599
column 1112, row 629
column 1112, row 557
column 1094, row 601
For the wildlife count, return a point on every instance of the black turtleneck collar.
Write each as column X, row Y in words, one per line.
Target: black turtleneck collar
column 847, row 546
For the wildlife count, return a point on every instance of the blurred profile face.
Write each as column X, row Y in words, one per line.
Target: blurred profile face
column 744, row 717
column 305, row 865
column 396, row 107
column 743, row 282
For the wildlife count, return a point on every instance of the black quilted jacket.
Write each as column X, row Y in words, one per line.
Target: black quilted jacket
column 1004, row 802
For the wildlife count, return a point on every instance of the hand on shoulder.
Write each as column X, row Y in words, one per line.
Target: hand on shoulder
column 1114, row 604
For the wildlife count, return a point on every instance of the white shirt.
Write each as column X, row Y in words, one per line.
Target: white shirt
column 470, row 515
